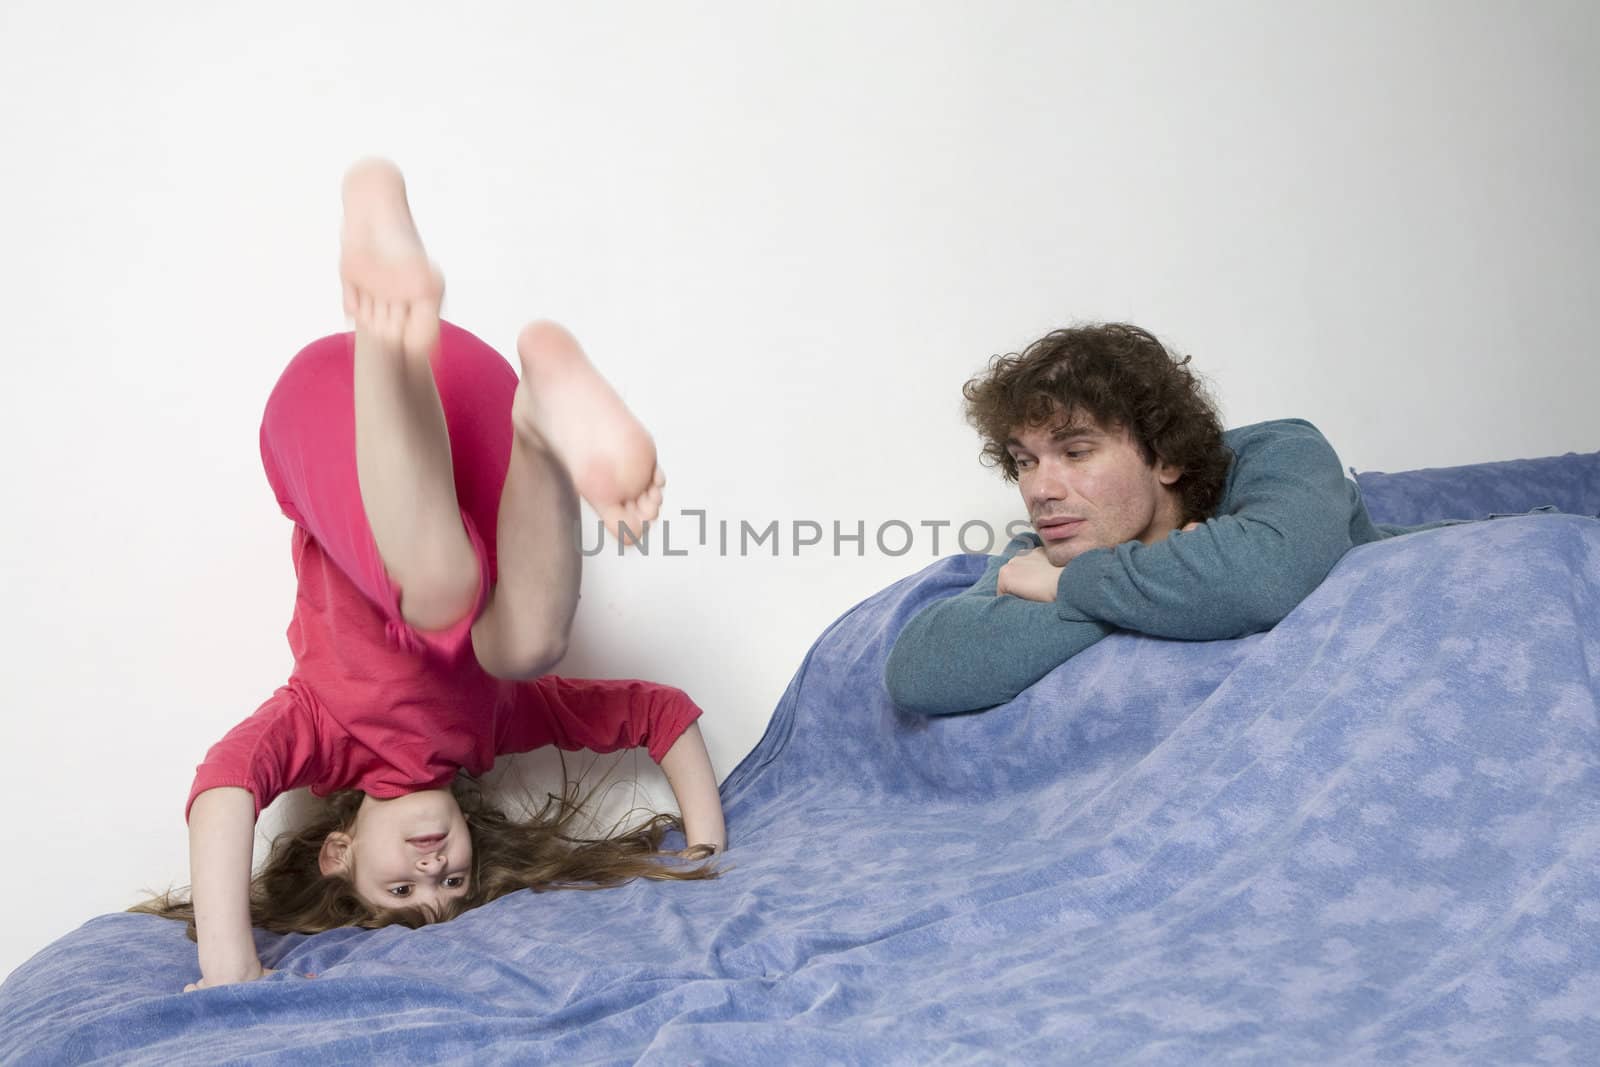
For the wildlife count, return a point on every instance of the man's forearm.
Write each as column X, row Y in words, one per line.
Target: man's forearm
column 1282, row 525
column 975, row 651
column 1229, row 578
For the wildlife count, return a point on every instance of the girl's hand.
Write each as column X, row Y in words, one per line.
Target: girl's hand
column 260, row 972
column 697, row 852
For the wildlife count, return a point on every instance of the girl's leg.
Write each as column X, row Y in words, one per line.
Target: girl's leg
column 402, row 444
column 308, row 448
column 524, row 448
column 566, row 419
column 608, row 454
column 523, row 631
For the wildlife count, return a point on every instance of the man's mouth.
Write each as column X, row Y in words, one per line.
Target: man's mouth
column 427, row 842
column 1058, row 529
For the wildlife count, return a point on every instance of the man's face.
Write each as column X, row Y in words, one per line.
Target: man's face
column 1089, row 487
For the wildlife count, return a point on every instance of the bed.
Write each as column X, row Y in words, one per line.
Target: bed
column 1370, row 835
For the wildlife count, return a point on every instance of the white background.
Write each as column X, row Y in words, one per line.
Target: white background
column 788, row 232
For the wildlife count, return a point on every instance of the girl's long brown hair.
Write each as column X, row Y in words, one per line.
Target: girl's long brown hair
column 290, row 894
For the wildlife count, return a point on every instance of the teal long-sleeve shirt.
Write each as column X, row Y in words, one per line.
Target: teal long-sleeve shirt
column 1287, row 515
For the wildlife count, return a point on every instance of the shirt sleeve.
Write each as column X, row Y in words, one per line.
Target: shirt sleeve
column 271, row 752
column 975, row 650
column 597, row 715
column 1286, row 525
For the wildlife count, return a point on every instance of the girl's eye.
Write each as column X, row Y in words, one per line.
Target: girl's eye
column 455, row 881
column 1077, row 452
column 400, row 891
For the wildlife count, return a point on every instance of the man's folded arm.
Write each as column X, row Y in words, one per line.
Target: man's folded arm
column 1236, row 574
column 975, row 650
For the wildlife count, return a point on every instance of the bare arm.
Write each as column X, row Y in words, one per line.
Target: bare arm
column 688, row 769
column 221, row 830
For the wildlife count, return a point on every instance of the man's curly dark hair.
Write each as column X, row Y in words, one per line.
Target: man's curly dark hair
column 1120, row 376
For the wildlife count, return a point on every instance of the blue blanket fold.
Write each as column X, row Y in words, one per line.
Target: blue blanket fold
column 1569, row 484
column 1369, row 835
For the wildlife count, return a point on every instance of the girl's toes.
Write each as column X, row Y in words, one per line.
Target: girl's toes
column 636, row 524
column 394, row 326
column 419, row 328
column 381, row 323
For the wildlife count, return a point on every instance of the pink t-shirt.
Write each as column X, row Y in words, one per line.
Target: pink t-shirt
column 360, row 713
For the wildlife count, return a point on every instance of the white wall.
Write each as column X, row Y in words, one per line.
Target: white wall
column 788, row 231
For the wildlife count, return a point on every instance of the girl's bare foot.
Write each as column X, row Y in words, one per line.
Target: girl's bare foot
column 390, row 287
column 565, row 403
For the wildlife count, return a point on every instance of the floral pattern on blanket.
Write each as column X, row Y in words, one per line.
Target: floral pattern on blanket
column 1370, row 835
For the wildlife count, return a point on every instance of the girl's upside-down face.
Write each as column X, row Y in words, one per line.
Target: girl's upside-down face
column 411, row 851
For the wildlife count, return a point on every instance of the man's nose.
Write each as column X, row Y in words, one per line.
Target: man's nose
column 1050, row 482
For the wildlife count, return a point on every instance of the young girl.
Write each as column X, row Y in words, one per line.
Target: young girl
column 435, row 543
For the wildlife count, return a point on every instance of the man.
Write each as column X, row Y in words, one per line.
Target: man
column 1148, row 518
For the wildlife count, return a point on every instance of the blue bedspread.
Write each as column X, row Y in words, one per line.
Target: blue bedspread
column 1371, row 835
column 1569, row 483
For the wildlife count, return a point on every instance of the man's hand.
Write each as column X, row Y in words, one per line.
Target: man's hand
column 1029, row 575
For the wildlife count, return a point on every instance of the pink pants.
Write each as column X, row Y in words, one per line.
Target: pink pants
column 308, row 446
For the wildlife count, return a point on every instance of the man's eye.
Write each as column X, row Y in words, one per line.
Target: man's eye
column 1077, row 453
column 455, row 881
column 1023, row 464
column 400, row 891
